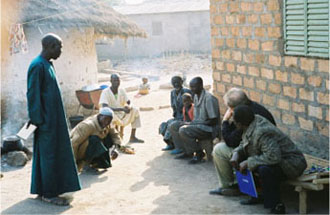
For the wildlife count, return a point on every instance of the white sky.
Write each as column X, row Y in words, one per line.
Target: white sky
column 134, row 1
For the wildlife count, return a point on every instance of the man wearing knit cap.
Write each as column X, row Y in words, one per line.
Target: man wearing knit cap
column 92, row 138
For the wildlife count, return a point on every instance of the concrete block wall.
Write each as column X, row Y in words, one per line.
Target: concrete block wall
column 247, row 52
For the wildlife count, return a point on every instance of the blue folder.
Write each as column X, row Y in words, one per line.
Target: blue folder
column 246, row 183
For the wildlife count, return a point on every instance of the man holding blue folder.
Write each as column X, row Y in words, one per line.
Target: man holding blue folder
column 267, row 151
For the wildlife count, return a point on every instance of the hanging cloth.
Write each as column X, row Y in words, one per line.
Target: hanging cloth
column 17, row 39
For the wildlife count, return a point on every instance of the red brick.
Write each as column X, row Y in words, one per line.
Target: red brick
column 237, row 55
column 235, row 31
column 218, row 20
column 261, row 85
column 260, row 58
column 268, row 100
column 230, row 42
column 246, row 6
column 215, row 53
column 226, row 54
column 323, row 128
column 288, row 119
column 230, row 19
column 297, row 78
column 315, row 111
column 290, row 91
column 248, row 58
column 274, row 88
column 305, row 124
column 254, row 71
column 275, row 60
column 323, row 98
column 237, row 80
column 281, row 76
column 254, row 44
column 241, row 43
column 247, row 31
column 267, row 73
column 259, row 32
column 255, row 96
column 306, row 95
column 224, row 31
column 290, row 61
column 230, row 67
column 277, row 115
column 221, row 88
column 307, row 64
column 214, row 31
column 315, row 81
column 252, row 19
column 278, row 18
column 274, row 32
column 216, row 75
column 219, row 42
column 297, row 107
column 241, row 69
column 213, row 9
column 267, row 46
column 248, row 82
column 224, row 7
column 283, row 104
column 273, row 5
column 226, row 78
column 266, row 18
column 323, row 65
column 240, row 19
column 220, row 65
column 234, row 7
column 258, row 6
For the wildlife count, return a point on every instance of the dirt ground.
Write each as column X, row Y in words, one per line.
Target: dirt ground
column 149, row 182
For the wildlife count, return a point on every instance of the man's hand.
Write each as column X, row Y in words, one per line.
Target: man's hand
column 243, row 166
column 234, row 160
column 127, row 109
column 228, row 114
column 114, row 155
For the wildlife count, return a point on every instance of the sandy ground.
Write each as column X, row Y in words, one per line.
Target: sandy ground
column 149, row 182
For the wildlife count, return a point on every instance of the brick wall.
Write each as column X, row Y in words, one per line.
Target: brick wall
column 247, row 52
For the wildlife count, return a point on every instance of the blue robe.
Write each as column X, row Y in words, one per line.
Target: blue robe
column 53, row 169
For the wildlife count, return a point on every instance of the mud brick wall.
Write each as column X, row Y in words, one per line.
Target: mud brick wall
column 247, row 52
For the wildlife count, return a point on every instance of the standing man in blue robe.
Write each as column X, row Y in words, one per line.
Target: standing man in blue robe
column 53, row 169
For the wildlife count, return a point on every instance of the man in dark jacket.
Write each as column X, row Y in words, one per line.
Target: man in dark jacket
column 232, row 136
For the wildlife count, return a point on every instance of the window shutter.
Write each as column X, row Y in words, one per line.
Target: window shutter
column 306, row 27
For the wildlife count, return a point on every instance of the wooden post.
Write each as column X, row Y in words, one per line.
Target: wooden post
column 302, row 200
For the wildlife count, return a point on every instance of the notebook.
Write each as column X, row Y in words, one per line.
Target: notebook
column 24, row 133
column 246, row 183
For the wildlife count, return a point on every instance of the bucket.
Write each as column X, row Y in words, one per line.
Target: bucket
column 74, row 120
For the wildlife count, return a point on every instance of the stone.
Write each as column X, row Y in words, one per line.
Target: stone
column 16, row 158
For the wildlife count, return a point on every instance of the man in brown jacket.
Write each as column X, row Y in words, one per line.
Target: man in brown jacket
column 266, row 150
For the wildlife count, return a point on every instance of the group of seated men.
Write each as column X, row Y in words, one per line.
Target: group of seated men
column 251, row 141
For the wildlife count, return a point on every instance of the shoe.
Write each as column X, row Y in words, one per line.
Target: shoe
column 251, row 201
column 230, row 191
column 198, row 158
column 168, row 148
column 183, row 156
column 176, row 151
column 278, row 209
column 136, row 140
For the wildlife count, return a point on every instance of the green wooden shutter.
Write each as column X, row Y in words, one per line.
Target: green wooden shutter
column 306, row 27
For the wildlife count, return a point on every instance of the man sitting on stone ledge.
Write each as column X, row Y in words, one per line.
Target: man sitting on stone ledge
column 267, row 151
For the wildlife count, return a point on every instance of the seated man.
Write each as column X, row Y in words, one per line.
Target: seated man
column 267, row 151
column 92, row 138
column 232, row 136
column 205, row 124
column 116, row 98
column 177, row 106
column 144, row 87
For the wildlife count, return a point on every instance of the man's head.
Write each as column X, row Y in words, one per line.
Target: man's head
column 243, row 116
column 52, row 46
column 196, row 85
column 105, row 117
column 235, row 97
column 177, row 83
column 115, row 81
column 187, row 100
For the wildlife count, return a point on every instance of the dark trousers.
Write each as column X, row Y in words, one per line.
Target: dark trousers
column 271, row 177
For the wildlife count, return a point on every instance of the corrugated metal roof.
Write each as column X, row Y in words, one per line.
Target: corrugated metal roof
column 164, row 6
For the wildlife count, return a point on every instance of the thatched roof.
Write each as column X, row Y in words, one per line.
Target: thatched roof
column 79, row 13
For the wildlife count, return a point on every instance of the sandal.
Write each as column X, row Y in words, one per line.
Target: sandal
column 56, row 201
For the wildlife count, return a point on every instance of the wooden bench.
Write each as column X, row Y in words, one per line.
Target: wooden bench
column 315, row 181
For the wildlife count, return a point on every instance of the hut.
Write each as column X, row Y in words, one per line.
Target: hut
column 79, row 23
